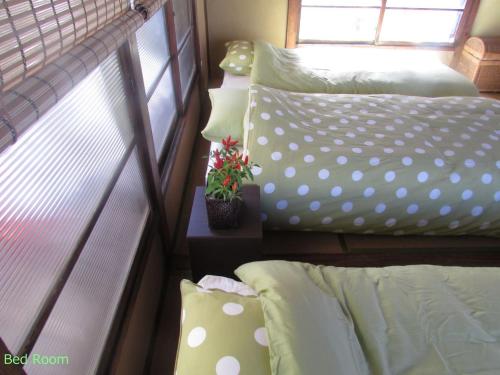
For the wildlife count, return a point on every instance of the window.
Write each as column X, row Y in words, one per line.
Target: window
column 52, row 182
column 187, row 65
column 185, row 44
column 153, row 50
column 152, row 43
column 87, row 304
column 183, row 19
column 80, row 192
column 381, row 21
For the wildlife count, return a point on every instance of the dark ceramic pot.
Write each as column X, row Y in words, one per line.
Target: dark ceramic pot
column 223, row 214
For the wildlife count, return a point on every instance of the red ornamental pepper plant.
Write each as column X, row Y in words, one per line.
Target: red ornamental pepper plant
column 228, row 169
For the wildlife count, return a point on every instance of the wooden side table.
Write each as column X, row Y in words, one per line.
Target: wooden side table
column 220, row 252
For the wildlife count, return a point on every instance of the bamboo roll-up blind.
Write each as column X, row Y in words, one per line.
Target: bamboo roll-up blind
column 149, row 7
column 36, row 32
column 25, row 103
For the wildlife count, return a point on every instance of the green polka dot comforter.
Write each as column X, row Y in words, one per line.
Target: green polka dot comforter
column 384, row 164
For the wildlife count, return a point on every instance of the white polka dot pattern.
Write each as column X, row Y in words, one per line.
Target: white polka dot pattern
column 203, row 346
column 231, row 308
column 391, row 165
column 196, row 337
column 239, row 57
column 260, row 336
column 227, row 366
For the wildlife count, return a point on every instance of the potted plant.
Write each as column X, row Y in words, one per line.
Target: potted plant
column 223, row 195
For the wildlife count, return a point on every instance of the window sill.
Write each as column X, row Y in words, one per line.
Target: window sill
column 387, row 45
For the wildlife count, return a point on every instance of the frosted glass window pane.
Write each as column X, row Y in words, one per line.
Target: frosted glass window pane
column 81, row 319
column 51, row 182
column 183, row 21
column 187, row 65
column 162, row 110
column 408, row 26
column 347, row 3
column 443, row 4
column 153, row 49
column 342, row 24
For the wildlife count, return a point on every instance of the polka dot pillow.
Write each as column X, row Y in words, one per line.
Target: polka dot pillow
column 239, row 58
column 221, row 334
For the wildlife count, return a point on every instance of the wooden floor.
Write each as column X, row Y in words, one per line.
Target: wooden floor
column 165, row 344
column 162, row 359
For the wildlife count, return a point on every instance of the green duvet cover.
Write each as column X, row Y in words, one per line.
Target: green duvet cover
column 413, row 320
column 286, row 69
column 384, row 164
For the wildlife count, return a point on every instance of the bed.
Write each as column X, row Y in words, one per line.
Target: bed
column 384, row 164
column 312, row 70
column 291, row 318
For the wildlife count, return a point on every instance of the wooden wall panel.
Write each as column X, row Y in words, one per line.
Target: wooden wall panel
column 139, row 328
column 178, row 172
column 201, row 26
column 243, row 19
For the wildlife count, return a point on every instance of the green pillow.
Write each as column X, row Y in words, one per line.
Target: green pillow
column 221, row 333
column 239, row 58
column 228, row 111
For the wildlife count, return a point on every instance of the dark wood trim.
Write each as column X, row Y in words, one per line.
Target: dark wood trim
column 172, row 138
column 466, row 22
column 8, row 369
column 203, row 94
column 380, row 21
column 179, row 132
column 293, row 23
column 199, row 66
column 139, row 112
column 129, row 296
column 385, row 259
column 174, row 52
column 49, row 303
column 156, row 325
column 172, row 151
column 209, row 68
column 191, row 33
column 386, row 243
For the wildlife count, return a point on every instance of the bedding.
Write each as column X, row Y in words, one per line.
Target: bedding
column 226, row 284
column 239, row 57
column 410, row 320
column 228, row 111
column 221, row 333
column 384, row 164
column 288, row 70
column 235, row 82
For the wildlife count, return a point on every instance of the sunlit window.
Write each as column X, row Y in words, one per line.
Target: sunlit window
column 381, row 22
column 152, row 42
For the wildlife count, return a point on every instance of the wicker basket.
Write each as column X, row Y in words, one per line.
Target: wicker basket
column 223, row 214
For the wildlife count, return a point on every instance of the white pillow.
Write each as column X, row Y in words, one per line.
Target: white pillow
column 226, row 284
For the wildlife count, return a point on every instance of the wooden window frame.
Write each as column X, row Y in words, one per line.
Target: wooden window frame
column 151, row 171
column 462, row 32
